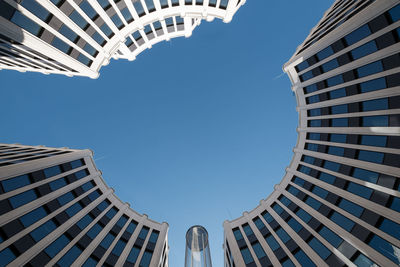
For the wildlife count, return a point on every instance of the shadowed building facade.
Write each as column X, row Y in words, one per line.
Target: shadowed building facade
column 56, row 210
column 339, row 201
column 78, row 37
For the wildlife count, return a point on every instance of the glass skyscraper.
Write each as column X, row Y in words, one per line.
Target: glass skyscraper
column 56, row 210
column 339, row 201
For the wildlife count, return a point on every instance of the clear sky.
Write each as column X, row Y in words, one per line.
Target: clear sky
column 194, row 131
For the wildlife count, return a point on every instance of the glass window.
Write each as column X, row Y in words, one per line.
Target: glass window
column 327, row 178
column 119, row 247
column 369, row 69
column 57, row 184
column 19, row 19
column 340, row 122
column 21, row 199
column 292, row 190
column 385, row 248
column 94, row 195
column 313, row 99
column 67, row 32
column 268, row 217
column 313, row 203
column 302, row 66
column 153, row 237
column 258, row 250
column 314, row 123
column 90, row 262
column 333, row 166
column 77, row 18
column 133, row 255
column 98, row 38
column 338, row 138
column 357, row 35
column 303, row 215
column 362, row 260
column 146, row 258
column 364, row 50
column 373, row 140
column 55, row 247
column 74, row 209
column 6, row 256
column 85, row 221
column 70, row 256
column 339, row 109
column 303, row 259
column 314, row 136
column 60, row 45
column 314, row 112
column 288, row 263
column 76, row 163
column 295, row 225
column 365, row 175
column 246, row 255
column 121, row 222
column 373, row 85
column 247, row 229
column 52, row 171
column 342, row 221
column 94, row 231
column 375, row 121
column 338, row 93
column 306, row 76
column 106, row 242
column 330, row 65
column 334, row 150
column 390, row 227
column 131, row 227
column 127, row 14
column 238, row 235
column 272, row 243
column 14, row 183
column 376, row 104
column 335, row 80
column 87, row 186
column 324, row 53
column 117, row 21
column 360, row 190
column 88, row 9
column 260, row 225
column 330, row 236
column 43, row 230
column 371, row 156
column 318, row 247
column 311, row 88
column 64, row 199
column 395, row 13
column 351, row 208
column 283, row 235
column 33, row 216
column 143, row 233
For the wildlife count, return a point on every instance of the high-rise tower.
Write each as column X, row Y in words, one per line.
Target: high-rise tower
column 339, row 202
column 56, row 210
column 78, row 37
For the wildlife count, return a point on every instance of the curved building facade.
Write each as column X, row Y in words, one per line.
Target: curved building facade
column 78, row 37
column 339, row 201
column 56, row 210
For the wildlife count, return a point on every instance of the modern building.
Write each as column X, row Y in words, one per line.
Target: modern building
column 339, row 201
column 56, row 210
column 78, row 37
column 197, row 252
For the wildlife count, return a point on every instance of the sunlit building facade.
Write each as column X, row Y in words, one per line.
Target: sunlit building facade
column 78, row 37
column 339, row 201
column 56, row 210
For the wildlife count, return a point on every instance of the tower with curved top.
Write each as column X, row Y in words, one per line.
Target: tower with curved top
column 78, row 37
column 339, row 201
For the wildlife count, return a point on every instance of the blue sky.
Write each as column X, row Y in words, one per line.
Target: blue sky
column 194, row 131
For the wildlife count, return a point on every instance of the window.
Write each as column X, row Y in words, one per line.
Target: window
column 373, row 85
column 315, row 204
column 94, row 231
column 333, row 166
column 119, row 247
column 330, row 236
column 131, row 227
column 106, row 242
column 153, row 237
column 303, row 259
column 338, row 138
column 43, row 230
column 272, row 243
column 74, row 209
column 258, row 250
column 14, row 183
column 395, row 13
column 146, row 258
column 78, row 19
column 373, row 140
column 339, row 109
column 238, row 235
column 370, row 69
column 371, row 156
column 340, row 122
column 283, row 235
column 375, row 121
column 364, row 50
column 342, row 221
column 357, row 35
column 133, row 255
column 365, row 175
column 52, row 171
column 330, row 65
column 85, row 221
column 351, row 208
column 327, row 178
column 337, row 151
column 33, row 216
column 70, row 256
column 246, row 255
column 143, row 233
column 360, row 190
column 6, row 256
column 23, row 198
column 303, row 215
column 64, row 199
column 295, row 225
column 318, row 247
column 57, row 184
column 247, row 229
column 335, row 80
column 55, row 247
column 338, row 93
column 326, row 52
column 260, row 225
column 268, row 217
column 384, row 247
